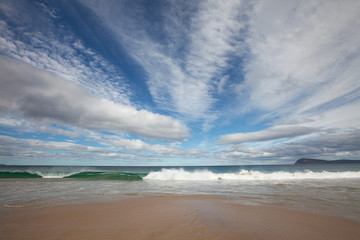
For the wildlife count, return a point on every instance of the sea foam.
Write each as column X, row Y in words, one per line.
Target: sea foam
column 246, row 175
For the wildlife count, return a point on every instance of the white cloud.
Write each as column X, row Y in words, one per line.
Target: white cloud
column 113, row 150
column 330, row 146
column 42, row 96
column 302, row 72
column 300, row 62
column 185, row 65
column 303, row 54
column 60, row 51
column 265, row 135
column 16, row 150
column 221, row 84
column 139, row 145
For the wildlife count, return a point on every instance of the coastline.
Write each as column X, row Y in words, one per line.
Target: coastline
column 171, row 217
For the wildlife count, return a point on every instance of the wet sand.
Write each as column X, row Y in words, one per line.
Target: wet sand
column 171, row 217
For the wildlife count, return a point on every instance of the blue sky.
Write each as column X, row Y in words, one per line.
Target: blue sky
column 178, row 82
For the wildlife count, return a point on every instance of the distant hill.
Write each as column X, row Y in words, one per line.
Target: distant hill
column 318, row 161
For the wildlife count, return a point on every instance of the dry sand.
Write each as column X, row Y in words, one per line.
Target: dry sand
column 171, row 217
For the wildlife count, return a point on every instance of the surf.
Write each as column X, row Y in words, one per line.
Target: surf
column 246, row 175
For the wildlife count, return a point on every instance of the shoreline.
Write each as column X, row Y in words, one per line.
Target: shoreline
column 171, row 217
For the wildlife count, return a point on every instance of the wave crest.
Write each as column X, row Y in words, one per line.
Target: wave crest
column 246, row 175
column 90, row 175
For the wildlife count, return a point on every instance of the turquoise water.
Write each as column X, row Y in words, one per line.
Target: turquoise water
column 330, row 189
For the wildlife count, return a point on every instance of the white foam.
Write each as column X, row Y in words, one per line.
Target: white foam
column 245, row 175
column 54, row 174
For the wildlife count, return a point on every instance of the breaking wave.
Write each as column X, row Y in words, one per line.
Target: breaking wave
column 74, row 175
column 183, row 175
column 246, row 175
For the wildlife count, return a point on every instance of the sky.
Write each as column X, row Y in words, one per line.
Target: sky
column 198, row 82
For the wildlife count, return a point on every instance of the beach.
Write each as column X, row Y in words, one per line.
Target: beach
column 220, row 202
column 171, row 217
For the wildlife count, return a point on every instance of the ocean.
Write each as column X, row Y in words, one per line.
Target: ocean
column 330, row 189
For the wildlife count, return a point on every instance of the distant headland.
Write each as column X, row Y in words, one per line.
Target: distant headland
column 319, row 161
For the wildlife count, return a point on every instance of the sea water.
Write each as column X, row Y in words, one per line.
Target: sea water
column 332, row 189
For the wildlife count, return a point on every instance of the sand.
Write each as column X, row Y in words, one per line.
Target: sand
column 171, row 217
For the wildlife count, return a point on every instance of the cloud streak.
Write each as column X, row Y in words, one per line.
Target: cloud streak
column 114, row 150
column 302, row 75
column 265, row 135
column 183, row 74
column 302, row 59
column 60, row 52
column 43, row 96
